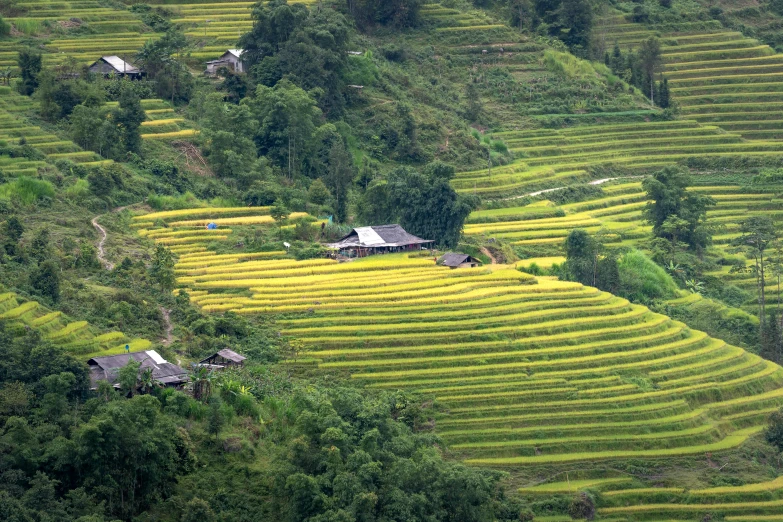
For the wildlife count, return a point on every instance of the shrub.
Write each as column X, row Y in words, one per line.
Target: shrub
column 641, row 280
column 27, row 190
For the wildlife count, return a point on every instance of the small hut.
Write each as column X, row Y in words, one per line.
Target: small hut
column 231, row 59
column 114, row 65
column 383, row 239
column 107, row 368
column 457, row 260
column 224, row 357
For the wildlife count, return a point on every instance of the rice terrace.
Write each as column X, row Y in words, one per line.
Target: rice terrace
column 401, row 260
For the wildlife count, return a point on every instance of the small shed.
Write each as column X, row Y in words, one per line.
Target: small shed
column 108, row 65
column 383, row 239
column 224, row 357
column 231, row 59
column 107, row 368
column 457, row 260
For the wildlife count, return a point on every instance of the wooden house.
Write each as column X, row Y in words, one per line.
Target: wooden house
column 383, row 239
column 224, row 357
column 457, row 260
column 231, row 60
column 107, row 368
column 114, row 65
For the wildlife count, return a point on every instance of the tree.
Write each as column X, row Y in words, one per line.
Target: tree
column 318, row 193
column 173, row 81
column 128, row 377
column 197, row 510
column 201, row 383
column 5, row 28
column 757, row 234
column 581, row 256
column 279, row 212
column 162, row 267
column 215, row 420
column 664, row 95
column 651, row 60
column 424, row 204
column 45, row 279
column 394, row 13
column 13, row 229
column 128, row 117
column 339, row 178
column 473, row 99
column 29, row 63
column 306, row 46
column 287, row 117
column 774, row 430
column 676, row 214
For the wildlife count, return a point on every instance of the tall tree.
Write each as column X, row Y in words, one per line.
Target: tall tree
column 128, row 118
column 29, row 63
column 650, row 60
column 581, row 257
column 287, row 117
column 757, row 234
column 339, row 178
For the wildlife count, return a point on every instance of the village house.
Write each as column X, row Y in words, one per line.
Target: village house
column 383, row 239
column 107, row 368
column 231, row 59
column 223, row 358
column 457, row 260
column 114, row 65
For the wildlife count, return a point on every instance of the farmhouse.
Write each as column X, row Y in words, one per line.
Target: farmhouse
column 230, row 59
column 115, row 65
column 224, row 357
column 107, row 368
column 383, row 239
column 456, row 260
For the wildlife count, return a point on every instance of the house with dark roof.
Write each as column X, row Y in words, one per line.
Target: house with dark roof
column 108, row 65
column 107, row 368
column 231, row 59
column 457, row 260
column 223, row 358
column 383, row 239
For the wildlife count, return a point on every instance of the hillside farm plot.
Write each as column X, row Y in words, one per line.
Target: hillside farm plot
column 524, row 370
column 717, row 76
column 190, row 233
column 617, row 217
column 76, row 337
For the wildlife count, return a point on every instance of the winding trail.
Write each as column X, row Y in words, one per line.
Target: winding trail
column 594, row 182
column 108, row 265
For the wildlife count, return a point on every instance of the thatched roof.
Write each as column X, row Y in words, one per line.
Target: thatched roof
column 378, row 237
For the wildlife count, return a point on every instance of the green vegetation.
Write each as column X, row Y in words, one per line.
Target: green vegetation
column 614, row 165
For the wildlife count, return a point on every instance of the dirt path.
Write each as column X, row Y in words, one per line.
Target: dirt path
column 486, row 252
column 594, row 182
column 168, row 338
column 108, row 265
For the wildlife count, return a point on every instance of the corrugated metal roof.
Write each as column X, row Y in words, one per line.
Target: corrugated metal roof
column 378, row 237
column 107, row 368
column 120, row 65
column 236, row 52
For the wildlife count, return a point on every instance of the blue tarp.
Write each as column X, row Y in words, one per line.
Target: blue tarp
column 211, row 226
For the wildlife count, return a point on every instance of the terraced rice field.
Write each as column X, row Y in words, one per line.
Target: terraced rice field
column 185, row 231
column 115, row 30
column 76, row 337
column 617, row 217
column 558, row 157
column 14, row 128
column 521, row 368
column 717, row 76
column 162, row 122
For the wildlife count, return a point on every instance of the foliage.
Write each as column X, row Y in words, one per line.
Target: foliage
column 676, row 214
column 774, row 430
column 162, row 268
column 409, row 197
column 643, row 281
column 29, row 63
column 306, row 46
column 399, row 14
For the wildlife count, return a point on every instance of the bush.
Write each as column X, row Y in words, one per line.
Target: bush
column 641, row 280
column 27, row 190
